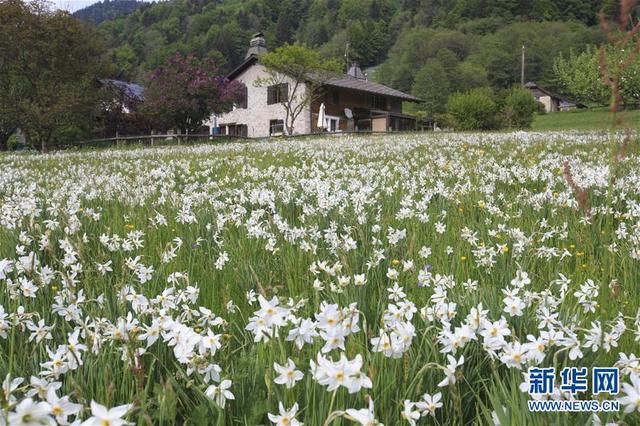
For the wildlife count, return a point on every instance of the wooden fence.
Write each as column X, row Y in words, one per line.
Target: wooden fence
column 152, row 140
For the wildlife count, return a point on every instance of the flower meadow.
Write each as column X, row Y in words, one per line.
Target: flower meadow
column 397, row 279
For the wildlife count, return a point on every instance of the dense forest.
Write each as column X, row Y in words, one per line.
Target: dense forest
column 480, row 39
column 106, row 10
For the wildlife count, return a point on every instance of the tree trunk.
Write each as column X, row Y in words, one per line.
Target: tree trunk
column 4, row 142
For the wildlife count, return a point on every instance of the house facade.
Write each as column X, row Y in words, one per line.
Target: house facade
column 352, row 103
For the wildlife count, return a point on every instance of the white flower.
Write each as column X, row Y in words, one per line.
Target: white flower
column 288, row 375
column 409, row 414
column 30, row 413
column 429, row 403
column 220, row 394
column 359, row 280
column 286, row 417
column 303, row 333
column 365, row 416
column 450, row 371
column 631, row 400
column 62, row 408
column 514, row 355
column 103, row 416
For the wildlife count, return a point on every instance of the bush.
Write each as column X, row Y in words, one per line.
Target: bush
column 473, row 110
column 12, row 143
column 519, row 108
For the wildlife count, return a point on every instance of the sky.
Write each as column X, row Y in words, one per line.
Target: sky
column 73, row 5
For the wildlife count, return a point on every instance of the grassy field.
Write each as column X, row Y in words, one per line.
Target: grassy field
column 583, row 119
column 349, row 280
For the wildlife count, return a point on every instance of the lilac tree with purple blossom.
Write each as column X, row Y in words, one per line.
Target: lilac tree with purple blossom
column 185, row 91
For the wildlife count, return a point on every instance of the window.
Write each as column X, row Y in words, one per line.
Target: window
column 240, row 130
column 335, row 97
column 276, row 127
column 241, row 102
column 332, row 123
column 277, row 94
column 378, row 102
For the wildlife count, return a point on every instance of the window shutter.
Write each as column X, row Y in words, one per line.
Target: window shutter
column 284, row 92
column 245, row 95
column 270, row 95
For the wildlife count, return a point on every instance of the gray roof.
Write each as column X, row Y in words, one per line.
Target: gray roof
column 344, row 81
column 353, row 83
column 133, row 91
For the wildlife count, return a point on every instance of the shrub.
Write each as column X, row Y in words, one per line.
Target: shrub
column 519, row 108
column 472, row 110
column 12, row 143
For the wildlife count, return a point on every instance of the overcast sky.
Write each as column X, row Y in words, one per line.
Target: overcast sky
column 73, row 5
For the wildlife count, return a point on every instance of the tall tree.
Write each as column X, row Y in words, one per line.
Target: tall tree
column 185, row 91
column 50, row 63
column 302, row 70
column 432, row 85
column 16, row 20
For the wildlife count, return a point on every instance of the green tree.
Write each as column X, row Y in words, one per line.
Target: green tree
column 432, row 85
column 368, row 41
column 468, row 75
column 579, row 75
column 51, row 61
column 303, row 70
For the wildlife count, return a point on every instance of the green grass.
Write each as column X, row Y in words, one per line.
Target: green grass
column 583, row 119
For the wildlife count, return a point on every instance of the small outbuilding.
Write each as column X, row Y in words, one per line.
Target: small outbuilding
column 551, row 102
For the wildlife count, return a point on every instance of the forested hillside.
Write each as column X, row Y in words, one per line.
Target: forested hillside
column 413, row 44
column 107, row 10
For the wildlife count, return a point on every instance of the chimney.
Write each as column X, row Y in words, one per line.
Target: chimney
column 356, row 72
column 257, row 45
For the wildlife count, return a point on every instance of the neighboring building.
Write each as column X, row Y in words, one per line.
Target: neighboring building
column 119, row 114
column 129, row 95
column 551, row 102
column 352, row 103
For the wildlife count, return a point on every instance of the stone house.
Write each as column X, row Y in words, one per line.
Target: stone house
column 352, row 103
column 550, row 101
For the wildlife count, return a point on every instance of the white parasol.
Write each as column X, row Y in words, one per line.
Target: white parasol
column 321, row 117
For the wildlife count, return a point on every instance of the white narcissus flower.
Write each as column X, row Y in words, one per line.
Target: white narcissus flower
column 408, row 412
column 62, row 408
column 286, row 417
column 30, row 413
column 359, row 280
column 631, row 400
column 220, row 394
column 429, row 403
column 288, row 375
column 103, row 416
column 364, row 417
column 450, row 371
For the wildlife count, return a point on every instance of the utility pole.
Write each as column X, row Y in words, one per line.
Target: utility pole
column 347, row 53
column 522, row 68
